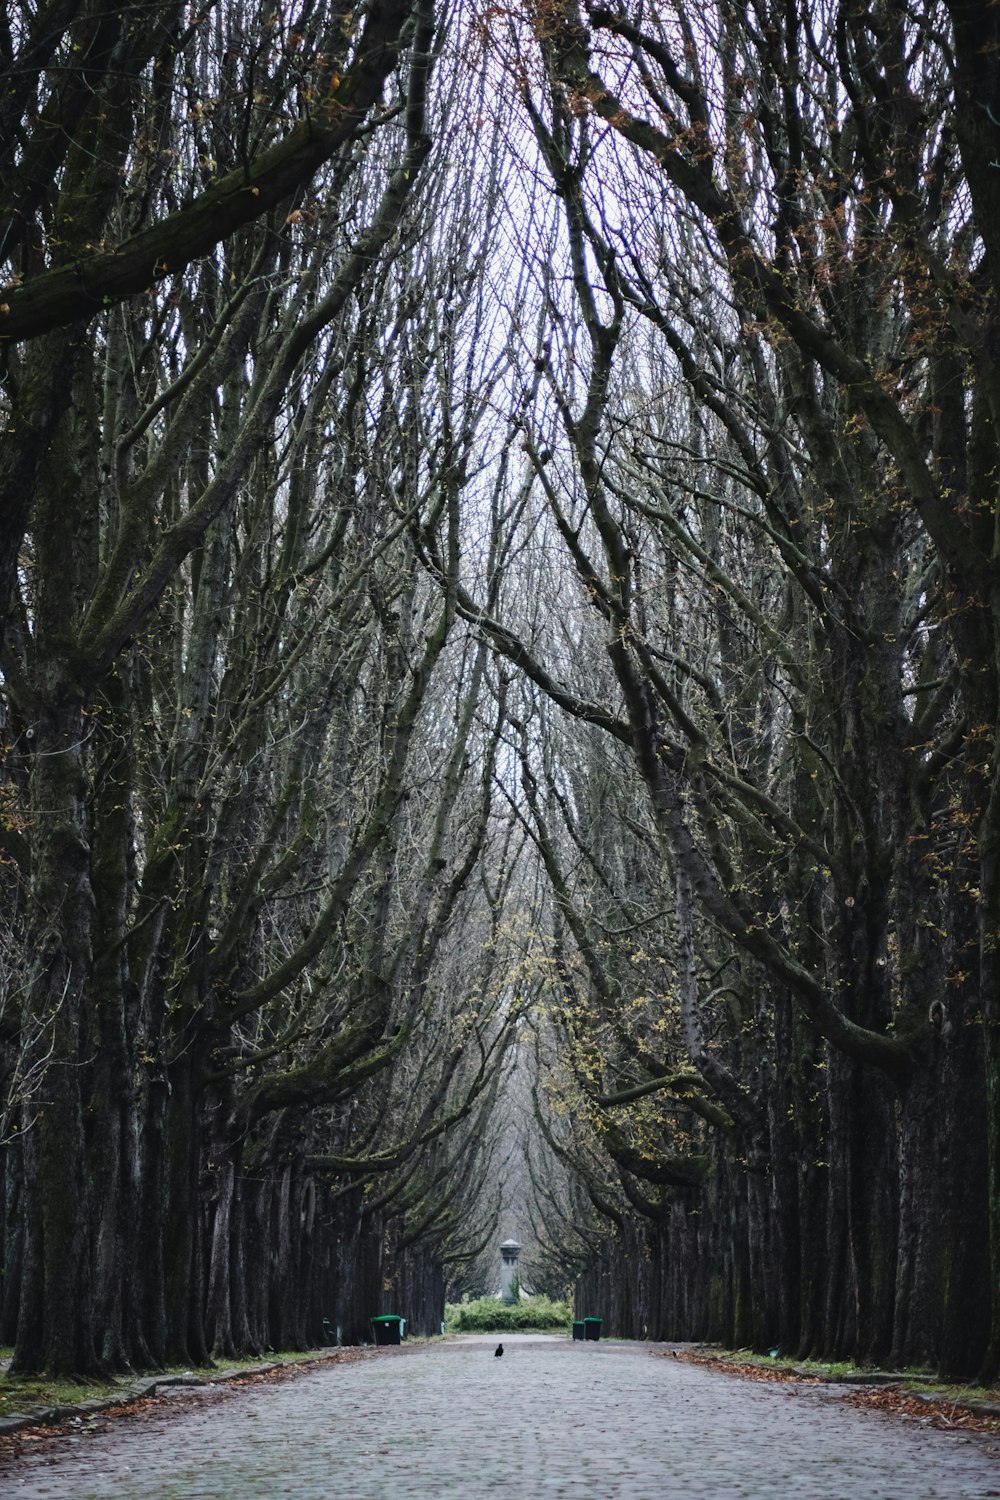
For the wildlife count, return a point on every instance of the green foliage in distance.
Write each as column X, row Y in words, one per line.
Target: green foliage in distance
column 490, row 1315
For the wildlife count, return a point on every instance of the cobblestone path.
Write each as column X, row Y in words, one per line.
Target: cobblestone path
column 552, row 1418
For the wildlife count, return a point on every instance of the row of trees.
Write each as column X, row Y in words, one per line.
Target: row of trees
column 766, row 438
column 257, row 991
column 500, row 519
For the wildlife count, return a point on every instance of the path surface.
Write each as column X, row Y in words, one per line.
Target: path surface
column 552, row 1418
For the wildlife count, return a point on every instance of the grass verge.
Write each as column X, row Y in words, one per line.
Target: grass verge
column 22, row 1393
column 908, row 1393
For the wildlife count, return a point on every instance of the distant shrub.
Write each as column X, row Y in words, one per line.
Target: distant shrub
column 490, row 1315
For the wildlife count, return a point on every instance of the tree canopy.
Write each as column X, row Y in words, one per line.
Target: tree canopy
column 499, row 671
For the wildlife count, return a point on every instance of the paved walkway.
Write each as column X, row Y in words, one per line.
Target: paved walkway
column 552, row 1418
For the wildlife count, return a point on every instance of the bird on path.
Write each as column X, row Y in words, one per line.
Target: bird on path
column 498, row 1351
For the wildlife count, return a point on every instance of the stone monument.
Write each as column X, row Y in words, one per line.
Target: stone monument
column 510, row 1284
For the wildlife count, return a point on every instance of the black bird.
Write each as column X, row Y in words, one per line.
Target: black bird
column 498, row 1351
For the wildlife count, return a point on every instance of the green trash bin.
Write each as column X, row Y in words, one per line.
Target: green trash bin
column 592, row 1328
column 578, row 1329
column 388, row 1328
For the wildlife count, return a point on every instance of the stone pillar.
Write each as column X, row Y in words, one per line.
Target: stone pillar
column 510, row 1285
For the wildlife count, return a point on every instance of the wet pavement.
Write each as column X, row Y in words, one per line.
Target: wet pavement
column 551, row 1418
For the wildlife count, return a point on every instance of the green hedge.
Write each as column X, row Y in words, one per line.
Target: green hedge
column 490, row 1315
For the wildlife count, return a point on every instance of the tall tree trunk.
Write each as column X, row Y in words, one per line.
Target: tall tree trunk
column 55, row 1331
